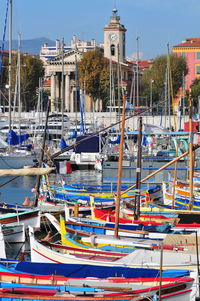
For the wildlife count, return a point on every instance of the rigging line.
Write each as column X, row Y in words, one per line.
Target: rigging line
column 3, row 40
column 103, row 130
column 171, row 87
column 10, row 180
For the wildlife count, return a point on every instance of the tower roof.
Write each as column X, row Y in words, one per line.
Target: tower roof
column 189, row 42
column 114, row 22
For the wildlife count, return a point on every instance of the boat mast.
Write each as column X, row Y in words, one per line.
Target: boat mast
column 38, row 179
column 191, row 155
column 77, row 91
column 197, row 252
column 138, row 171
column 137, row 75
column 171, row 90
column 10, row 68
column 175, row 177
column 19, row 82
column 161, row 267
column 119, row 178
column 63, row 89
column 118, row 87
column 110, row 69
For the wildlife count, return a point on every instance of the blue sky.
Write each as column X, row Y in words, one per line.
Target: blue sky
column 156, row 22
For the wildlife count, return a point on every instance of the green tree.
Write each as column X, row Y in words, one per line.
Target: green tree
column 195, row 92
column 31, row 70
column 93, row 71
column 3, row 82
column 154, row 77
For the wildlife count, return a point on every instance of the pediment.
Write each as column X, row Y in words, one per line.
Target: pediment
column 69, row 57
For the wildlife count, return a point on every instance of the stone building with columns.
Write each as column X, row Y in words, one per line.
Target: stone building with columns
column 54, row 70
column 60, row 65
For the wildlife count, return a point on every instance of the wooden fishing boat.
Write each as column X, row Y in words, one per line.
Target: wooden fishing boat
column 2, row 244
column 87, row 253
column 154, row 191
column 109, row 216
column 44, row 276
column 13, row 234
column 69, row 238
column 78, row 228
column 175, row 288
column 138, row 258
column 72, row 195
column 57, row 274
column 168, row 244
column 24, row 297
column 28, row 218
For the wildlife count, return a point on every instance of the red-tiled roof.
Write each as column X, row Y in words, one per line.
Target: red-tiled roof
column 4, row 51
column 47, row 82
column 143, row 64
column 190, row 42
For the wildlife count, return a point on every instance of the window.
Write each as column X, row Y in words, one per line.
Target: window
column 198, row 69
column 183, row 54
column 198, row 55
column 112, row 49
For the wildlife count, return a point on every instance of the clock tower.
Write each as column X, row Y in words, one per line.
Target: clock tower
column 114, row 39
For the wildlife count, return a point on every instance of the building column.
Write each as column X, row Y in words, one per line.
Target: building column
column 72, row 100
column 57, row 91
column 53, row 91
column 67, row 91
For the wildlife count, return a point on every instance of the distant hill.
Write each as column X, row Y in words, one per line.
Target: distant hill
column 32, row 46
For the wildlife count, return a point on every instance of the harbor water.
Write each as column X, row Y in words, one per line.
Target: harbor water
column 16, row 191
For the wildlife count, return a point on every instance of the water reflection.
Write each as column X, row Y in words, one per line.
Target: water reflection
column 16, row 191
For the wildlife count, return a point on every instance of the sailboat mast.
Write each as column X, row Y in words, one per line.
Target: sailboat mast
column 137, row 87
column 171, row 89
column 191, row 155
column 119, row 178
column 110, row 75
column 118, row 86
column 19, row 82
column 10, row 68
column 77, row 91
column 38, row 179
column 63, row 88
column 138, row 171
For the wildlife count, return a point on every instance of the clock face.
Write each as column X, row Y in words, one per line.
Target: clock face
column 113, row 36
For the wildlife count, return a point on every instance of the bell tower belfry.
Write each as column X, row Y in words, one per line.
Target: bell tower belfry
column 115, row 39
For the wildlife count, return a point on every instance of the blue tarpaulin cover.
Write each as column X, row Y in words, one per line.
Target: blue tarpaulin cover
column 88, row 146
column 14, row 139
column 82, row 271
column 63, row 144
column 73, row 135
